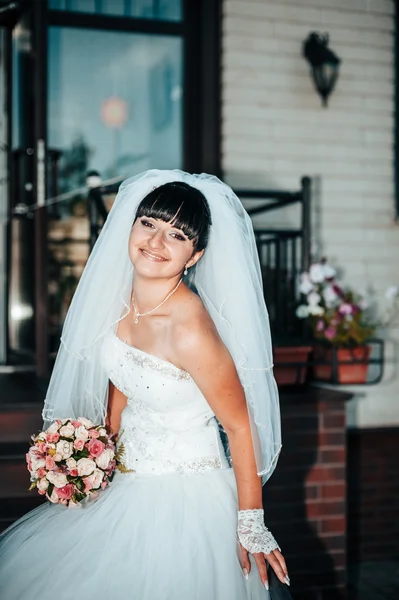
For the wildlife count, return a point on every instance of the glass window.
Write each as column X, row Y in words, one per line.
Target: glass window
column 115, row 103
column 166, row 10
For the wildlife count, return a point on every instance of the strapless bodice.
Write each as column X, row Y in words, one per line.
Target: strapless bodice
column 167, row 425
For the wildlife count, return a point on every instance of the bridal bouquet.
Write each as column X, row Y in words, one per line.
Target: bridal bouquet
column 71, row 461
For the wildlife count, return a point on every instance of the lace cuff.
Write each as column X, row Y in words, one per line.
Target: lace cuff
column 253, row 534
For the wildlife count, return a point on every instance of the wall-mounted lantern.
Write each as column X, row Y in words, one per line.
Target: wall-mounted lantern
column 324, row 63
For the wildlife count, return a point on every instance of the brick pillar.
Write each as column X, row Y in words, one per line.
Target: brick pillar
column 305, row 500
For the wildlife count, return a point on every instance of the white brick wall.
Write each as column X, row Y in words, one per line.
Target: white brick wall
column 275, row 131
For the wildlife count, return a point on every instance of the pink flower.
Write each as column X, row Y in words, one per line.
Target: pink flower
column 76, row 423
column 50, row 463
column 345, row 309
column 41, row 473
column 74, row 472
column 41, row 446
column 88, row 481
column 330, row 333
column 93, row 433
column 104, row 485
column 95, row 447
column 52, row 438
column 320, row 325
column 79, row 444
column 65, row 492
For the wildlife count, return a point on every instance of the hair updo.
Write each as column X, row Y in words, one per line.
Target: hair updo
column 183, row 206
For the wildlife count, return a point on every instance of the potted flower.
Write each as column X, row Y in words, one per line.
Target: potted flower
column 339, row 320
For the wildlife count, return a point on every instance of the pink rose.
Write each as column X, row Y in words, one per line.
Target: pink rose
column 50, row 463
column 41, row 446
column 41, row 472
column 76, row 423
column 65, row 493
column 95, row 447
column 88, row 481
column 104, row 485
column 345, row 309
column 74, row 472
column 330, row 333
column 93, row 433
column 79, row 444
column 52, row 438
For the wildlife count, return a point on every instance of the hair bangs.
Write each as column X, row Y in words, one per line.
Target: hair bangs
column 181, row 205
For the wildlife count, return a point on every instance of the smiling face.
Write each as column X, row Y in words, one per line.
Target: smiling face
column 158, row 249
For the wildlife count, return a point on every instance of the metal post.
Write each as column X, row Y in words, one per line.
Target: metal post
column 306, row 183
column 40, row 124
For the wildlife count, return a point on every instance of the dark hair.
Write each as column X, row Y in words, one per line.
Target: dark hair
column 182, row 205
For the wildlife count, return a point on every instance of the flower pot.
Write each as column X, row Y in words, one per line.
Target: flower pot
column 352, row 364
column 296, row 370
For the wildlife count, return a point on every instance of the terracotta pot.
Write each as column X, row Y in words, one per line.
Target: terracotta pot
column 291, row 374
column 351, row 372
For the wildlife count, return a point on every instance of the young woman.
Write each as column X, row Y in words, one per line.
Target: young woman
column 167, row 340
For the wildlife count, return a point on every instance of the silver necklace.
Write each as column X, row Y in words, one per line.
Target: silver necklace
column 139, row 314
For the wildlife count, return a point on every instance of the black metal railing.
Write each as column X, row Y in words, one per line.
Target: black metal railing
column 283, row 254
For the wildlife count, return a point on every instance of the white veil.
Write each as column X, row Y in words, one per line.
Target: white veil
column 228, row 280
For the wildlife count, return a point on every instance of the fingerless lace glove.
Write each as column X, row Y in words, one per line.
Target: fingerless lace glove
column 253, row 534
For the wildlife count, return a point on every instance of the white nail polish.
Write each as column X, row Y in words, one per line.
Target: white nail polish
column 245, row 574
column 267, row 585
column 287, row 580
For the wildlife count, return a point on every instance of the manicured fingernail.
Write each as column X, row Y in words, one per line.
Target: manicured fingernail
column 267, row 585
column 245, row 574
column 287, row 580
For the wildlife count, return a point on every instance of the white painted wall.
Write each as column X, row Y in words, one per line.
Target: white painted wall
column 275, row 131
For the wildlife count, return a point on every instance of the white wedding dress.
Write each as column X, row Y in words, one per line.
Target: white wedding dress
column 166, row 531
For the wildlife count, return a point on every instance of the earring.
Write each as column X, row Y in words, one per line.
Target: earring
column 185, row 271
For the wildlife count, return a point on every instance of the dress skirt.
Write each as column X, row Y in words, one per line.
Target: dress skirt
column 163, row 537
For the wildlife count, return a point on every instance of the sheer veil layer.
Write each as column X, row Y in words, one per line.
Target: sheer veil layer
column 228, row 280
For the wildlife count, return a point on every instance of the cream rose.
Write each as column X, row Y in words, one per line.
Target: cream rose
column 81, row 433
column 85, row 466
column 71, row 463
column 64, row 448
column 97, row 478
column 42, row 484
column 57, row 479
column 67, row 430
column 102, row 432
column 86, row 422
column 37, row 463
column 53, row 428
column 105, row 458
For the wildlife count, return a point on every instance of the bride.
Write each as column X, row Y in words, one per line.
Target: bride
column 167, row 340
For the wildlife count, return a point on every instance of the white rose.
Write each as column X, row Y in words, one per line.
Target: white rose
column 53, row 428
column 37, row 463
column 329, row 295
column 105, row 458
column 302, row 311
column 102, row 432
column 88, row 424
column 97, row 478
column 57, row 457
column 316, row 273
column 314, row 299
column 329, row 272
column 54, row 498
column 85, row 466
column 81, row 433
column 67, row 430
column 42, row 484
column 64, row 448
column 71, row 463
column 306, row 285
column 41, row 436
column 316, row 311
column 57, row 479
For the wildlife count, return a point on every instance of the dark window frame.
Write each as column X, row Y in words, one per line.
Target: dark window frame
column 200, row 30
column 396, row 111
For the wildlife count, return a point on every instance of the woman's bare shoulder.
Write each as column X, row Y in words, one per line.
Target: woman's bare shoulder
column 193, row 327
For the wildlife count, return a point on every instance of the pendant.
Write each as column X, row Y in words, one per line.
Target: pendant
column 136, row 320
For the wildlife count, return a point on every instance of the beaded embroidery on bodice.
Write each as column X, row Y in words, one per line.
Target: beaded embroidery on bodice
column 167, row 425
